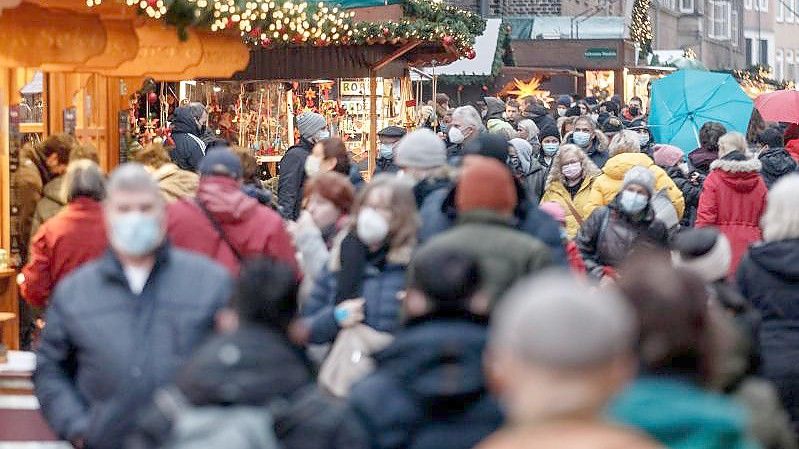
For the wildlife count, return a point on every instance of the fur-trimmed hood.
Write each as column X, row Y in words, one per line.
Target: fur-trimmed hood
column 741, row 176
column 733, row 166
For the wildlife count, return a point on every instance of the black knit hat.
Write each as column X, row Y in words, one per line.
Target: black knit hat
column 548, row 131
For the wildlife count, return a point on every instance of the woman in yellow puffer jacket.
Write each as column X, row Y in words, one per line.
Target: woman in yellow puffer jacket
column 569, row 183
column 625, row 152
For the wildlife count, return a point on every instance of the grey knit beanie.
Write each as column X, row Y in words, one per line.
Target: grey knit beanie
column 421, row 149
column 640, row 176
column 310, row 123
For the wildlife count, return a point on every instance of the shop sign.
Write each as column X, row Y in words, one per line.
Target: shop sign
column 600, row 53
column 359, row 87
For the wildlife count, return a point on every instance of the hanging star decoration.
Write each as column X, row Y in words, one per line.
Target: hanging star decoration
column 523, row 89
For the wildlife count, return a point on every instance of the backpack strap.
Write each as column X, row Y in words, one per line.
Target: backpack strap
column 574, row 212
column 218, row 228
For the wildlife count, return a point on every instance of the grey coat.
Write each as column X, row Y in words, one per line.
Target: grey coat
column 105, row 350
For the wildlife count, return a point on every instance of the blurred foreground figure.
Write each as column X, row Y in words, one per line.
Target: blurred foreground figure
column 558, row 352
column 679, row 354
column 428, row 391
column 247, row 376
column 119, row 327
column 769, row 278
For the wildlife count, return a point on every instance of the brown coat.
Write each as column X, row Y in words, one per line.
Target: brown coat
column 569, row 435
column 53, row 200
column 176, row 183
column 30, row 178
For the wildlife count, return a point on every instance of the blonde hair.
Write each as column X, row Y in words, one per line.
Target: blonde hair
column 590, row 169
column 781, row 220
column 732, row 141
column 625, row 141
column 153, row 155
column 402, row 202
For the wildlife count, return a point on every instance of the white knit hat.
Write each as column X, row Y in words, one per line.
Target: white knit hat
column 705, row 251
column 640, row 176
column 421, row 149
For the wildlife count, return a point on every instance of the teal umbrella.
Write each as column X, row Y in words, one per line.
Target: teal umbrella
column 685, row 100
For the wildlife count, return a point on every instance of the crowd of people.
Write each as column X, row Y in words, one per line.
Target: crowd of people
column 520, row 276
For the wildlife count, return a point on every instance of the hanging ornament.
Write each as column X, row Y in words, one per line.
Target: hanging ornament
column 152, row 97
column 255, row 32
column 152, row 3
column 485, row 88
column 297, row 38
column 470, row 53
column 266, row 42
column 386, row 32
column 448, row 40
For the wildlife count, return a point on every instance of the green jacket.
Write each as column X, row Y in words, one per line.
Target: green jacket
column 53, row 200
column 681, row 415
column 504, row 253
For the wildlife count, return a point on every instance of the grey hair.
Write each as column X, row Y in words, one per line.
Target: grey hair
column 132, row 177
column 781, row 220
column 530, row 127
column 556, row 321
column 83, row 178
column 470, row 116
column 625, row 141
column 732, row 141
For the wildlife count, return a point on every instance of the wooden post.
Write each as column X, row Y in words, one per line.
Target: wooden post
column 372, row 120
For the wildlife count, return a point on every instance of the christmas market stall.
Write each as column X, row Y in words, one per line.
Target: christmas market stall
column 69, row 66
column 348, row 62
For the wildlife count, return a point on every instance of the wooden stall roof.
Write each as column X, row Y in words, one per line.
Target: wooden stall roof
column 111, row 39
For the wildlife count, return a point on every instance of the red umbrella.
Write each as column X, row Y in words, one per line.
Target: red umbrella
column 779, row 106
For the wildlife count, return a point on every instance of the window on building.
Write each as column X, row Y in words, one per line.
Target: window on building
column 734, row 28
column 762, row 54
column 748, row 4
column 687, row 6
column 789, row 11
column 778, row 73
column 719, row 19
column 762, row 5
column 748, row 50
column 790, row 67
column 780, row 11
column 668, row 4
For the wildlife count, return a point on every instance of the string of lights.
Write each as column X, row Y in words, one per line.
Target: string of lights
column 269, row 23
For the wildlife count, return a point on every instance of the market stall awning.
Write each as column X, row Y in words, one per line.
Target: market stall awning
column 111, row 39
column 485, row 47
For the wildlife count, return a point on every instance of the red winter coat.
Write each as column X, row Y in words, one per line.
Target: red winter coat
column 74, row 236
column 792, row 148
column 733, row 199
column 254, row 229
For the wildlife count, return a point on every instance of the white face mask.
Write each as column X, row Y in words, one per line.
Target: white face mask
column 562, row 112
column 456, row 135
column 372, row 228
column 312, row 166
column 322, row 135
column 632, row 202
column 684, row 167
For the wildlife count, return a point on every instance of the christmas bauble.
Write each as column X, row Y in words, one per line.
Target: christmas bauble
column 152, row 97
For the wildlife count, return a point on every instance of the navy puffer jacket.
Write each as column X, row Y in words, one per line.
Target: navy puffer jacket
column 189, row 149
column 382, row 308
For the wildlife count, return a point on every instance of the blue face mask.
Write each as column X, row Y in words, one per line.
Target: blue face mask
column 386, row 150
column 135, row 234
column 581, row 138
column 632, row 202
column 550, row 148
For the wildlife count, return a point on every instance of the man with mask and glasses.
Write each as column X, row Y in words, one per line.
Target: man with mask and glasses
column 312, row 128
column 466, row 126
column 119, row 327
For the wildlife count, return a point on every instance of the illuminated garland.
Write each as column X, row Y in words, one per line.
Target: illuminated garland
column 272, row 23
column 641, row 25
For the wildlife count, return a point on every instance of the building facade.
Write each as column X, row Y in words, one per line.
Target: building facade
column 785, row 63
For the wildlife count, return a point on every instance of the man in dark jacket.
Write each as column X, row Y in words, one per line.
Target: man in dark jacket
column 414, row 399
column 117, row 328
column 292, row 167
column 422, row 157
column 775, row 160
column 189, row 148
column 267, row 370
column 387, row 155
column 541, row 117
column 671, row 159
